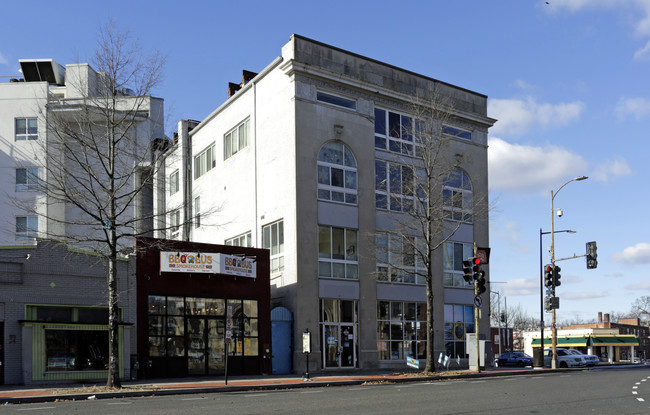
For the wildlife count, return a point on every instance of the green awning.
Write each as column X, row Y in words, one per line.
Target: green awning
column 563, row 341
column 624, row 340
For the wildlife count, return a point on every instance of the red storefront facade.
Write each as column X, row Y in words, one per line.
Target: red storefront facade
column 197, row 303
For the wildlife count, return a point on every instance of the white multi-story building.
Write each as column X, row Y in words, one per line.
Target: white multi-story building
column 53, row 303
column 304, row 158
column 27, row 106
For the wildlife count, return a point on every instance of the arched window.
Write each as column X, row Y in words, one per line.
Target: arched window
column 457, row 196
column 337, row 174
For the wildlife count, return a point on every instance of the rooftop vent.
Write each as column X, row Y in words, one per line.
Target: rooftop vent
column 42, row 70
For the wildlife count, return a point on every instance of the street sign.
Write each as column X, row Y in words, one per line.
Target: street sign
column 478, row 302
column 228, row 324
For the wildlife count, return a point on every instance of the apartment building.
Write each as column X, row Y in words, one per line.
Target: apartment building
column 307, row 158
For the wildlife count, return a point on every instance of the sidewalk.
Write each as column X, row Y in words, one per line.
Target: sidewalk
column 23, row 394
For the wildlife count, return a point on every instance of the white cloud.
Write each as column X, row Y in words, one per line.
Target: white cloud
column 522, row 286
column 642, row 286
column 517, row 116
column 529, row 168
column 636, row 107
column 643, row 53
column 636, row 254
column 511, row 232
column 584, row 295
column 641, row 20
column 3, row 60
column 611, row 169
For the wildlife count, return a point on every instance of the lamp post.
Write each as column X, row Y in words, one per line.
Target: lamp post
column 499, row 317
column 541, row 289
column 554, row 327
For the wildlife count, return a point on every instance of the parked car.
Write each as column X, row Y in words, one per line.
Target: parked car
column 564, row 358
column 590, row 359
column 514, row 359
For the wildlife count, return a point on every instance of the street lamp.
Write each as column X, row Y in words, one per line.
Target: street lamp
column 554, row 327
column 541, row 290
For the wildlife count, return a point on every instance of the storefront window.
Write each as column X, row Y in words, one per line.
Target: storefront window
column 459, row 320
column 401, row 330
column 73, row 350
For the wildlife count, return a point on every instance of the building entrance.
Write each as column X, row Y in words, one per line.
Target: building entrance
column 339, row 346
column 205, row 349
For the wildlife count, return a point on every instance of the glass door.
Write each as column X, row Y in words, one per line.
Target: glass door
column 331, row 346
column 196, row 346
column 347, row 348
column 216, row 346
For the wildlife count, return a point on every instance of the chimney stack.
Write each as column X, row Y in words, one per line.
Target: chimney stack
column 600, row 317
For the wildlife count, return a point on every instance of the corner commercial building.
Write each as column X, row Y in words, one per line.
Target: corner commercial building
column 305, row 159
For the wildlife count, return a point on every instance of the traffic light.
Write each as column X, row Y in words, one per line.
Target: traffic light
column 592, row 261
column 479, row 276
column 547, row 304
column 548, row 275
column 557, row 276
column 467, row 270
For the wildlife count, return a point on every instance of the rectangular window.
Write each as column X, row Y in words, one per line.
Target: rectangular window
column 26, row 227
column 26, row 178
column 396, row 132
column 197, row 212
column 26, row 129
column 273, row 239
column 399, row 259
column 455, row 132
column 74, row 350
column 175, row 223
column 394, row 186
column 337, row 253
column 454, row 254
column 336, row 100
column 241, row 240
column 236, row 139
column 174, row 184
column 459, row 320
column 204, row 162
column 401, row 330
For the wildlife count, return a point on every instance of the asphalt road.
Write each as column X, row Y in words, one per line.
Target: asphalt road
column 598, row 391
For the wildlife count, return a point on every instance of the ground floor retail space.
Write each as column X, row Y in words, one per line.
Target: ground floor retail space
column 203, row 310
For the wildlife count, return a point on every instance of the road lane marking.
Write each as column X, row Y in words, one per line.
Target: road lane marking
column 640, row 399
column 634, row 392
column 119, row 403
column 37, row 409
column 318, row 391
column 192, row 399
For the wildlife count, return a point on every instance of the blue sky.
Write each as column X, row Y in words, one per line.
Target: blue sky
column 568, row 81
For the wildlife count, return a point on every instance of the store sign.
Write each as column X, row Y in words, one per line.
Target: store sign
column 208, row 263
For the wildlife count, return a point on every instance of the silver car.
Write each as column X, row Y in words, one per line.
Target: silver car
column 564, row 358
column 590, row 359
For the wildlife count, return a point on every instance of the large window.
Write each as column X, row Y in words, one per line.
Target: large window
column 26, row 129
column 457, row 197
column 337, row 253
column 336, row 100
column 396, row 132
column 337, row 174
column 459, row 320
column 26, row 178
column 26, row 227
column 398, row 260
column 236, row 139
column 394, row 186
column 197, row 212
column 401, row 330
column 454, row 255
column 456, row 132
column 204, row 162
column 73, row 350
column 174, row 184
column 241, row 240
column 175, row 223
column 273, row 239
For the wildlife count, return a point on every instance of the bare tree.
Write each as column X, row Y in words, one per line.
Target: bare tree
column 422, row 213
column 641, row 307
column 99, row 159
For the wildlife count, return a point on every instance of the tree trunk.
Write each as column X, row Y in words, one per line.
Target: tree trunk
column 113, row 320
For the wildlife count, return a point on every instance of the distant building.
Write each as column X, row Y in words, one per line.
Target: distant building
column 304, row 159
column 625, row 341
